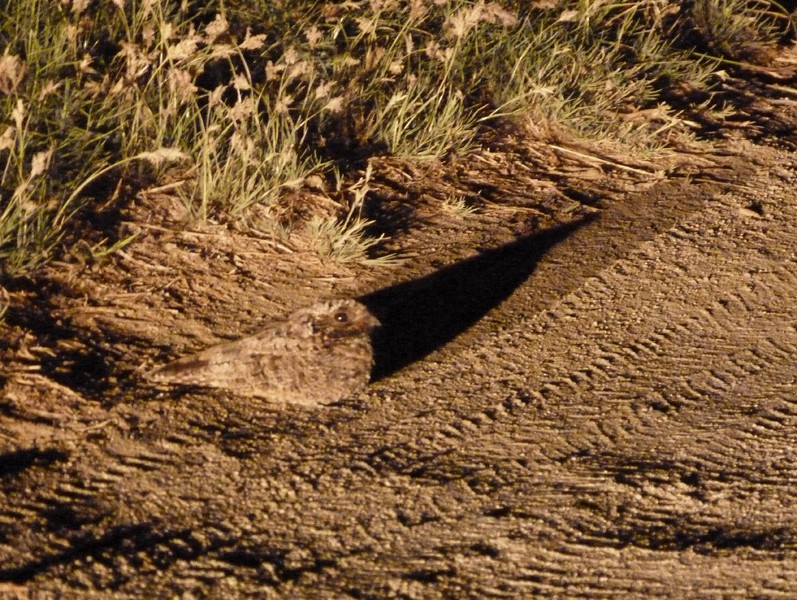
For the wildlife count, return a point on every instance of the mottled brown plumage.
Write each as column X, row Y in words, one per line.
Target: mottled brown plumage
column 319, row 354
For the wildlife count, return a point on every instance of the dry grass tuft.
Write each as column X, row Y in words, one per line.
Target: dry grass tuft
column 248, row 101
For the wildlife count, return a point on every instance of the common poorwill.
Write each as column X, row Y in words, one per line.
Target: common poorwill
column 319, row 354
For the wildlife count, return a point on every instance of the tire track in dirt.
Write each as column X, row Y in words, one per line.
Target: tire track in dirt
column 615, row 451
column 623, row 424
column 653, row 437
column 535, row 439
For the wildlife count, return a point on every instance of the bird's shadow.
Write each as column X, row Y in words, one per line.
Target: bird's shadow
column 421, row 315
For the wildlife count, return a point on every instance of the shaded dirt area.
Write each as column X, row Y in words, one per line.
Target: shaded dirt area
column 586, row 387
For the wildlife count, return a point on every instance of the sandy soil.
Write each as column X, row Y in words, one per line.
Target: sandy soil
column 586, row 387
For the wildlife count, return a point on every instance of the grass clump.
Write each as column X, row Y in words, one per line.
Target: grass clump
column 44, row 144
column 741, row 30
column 408, row 67
column 118, row 86
column 346, row 239
column 592, row 69
column 248, row 99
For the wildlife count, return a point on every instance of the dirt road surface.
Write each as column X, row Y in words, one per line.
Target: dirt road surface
column 605, row 407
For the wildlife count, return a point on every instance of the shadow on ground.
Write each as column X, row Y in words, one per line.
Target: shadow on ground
column 421, row 315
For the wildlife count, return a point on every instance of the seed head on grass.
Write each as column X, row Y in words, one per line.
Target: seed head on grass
column 12, row 71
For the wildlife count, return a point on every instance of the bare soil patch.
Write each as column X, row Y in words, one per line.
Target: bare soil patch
column 451, row 476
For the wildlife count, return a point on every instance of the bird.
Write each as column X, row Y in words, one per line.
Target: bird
column 318, row 355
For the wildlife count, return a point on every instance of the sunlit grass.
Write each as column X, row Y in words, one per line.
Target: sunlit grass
column 346, row 239
column 255, row 97
column 741, row 30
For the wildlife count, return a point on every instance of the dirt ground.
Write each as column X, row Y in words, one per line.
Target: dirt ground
column 585, row 387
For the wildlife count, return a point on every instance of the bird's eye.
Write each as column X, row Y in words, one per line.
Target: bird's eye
column 341, row 316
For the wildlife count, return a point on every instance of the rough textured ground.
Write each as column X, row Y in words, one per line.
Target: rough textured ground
column 586, row 401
